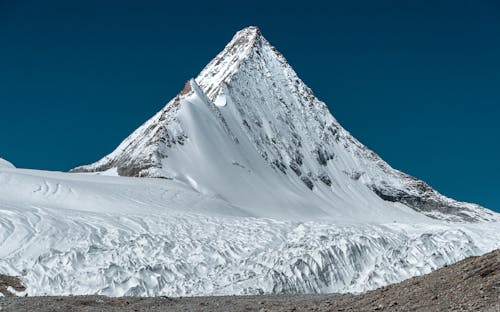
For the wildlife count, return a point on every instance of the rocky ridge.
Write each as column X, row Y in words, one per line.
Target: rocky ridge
column 265, row 110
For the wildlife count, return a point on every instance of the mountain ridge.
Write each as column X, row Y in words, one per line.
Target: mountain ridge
column 264, row 118
column 262, row 192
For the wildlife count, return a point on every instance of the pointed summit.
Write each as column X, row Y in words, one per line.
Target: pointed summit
column 242, row 46
column 246, row 36
column 249, row 131
column 243, row 41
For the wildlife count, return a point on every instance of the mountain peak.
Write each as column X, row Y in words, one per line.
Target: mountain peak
column 248, row 130
column 248, row 32
column 227, row 62
column 245, row 39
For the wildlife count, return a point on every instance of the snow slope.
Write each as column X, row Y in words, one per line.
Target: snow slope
column 248, row 130
column 248, row 185
column 91, row 234
column 5, row 164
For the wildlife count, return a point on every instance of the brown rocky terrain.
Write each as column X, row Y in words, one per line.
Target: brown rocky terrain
column 14, row 282
column 472, row 284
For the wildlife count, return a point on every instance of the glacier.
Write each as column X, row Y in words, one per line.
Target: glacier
column 92, row 234
column 244, row 183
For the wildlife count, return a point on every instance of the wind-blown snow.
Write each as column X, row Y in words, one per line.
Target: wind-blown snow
column 261, row 191
column 92, row 234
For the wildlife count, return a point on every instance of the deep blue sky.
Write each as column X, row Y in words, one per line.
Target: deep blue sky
column 417, row 81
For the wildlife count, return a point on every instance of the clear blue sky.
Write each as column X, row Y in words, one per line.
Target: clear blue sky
column 416, row 81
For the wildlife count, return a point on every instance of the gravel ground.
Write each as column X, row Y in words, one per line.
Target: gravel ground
column 469, row 285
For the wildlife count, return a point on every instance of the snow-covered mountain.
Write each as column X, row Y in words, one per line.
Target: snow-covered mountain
column 6, row 164
column 248, row 130
column 248, row 185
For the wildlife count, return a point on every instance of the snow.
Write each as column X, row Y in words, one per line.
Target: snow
column 247, row 185
column 5, row 164
column 15, row 292
column 249, row 131
column 94, row 234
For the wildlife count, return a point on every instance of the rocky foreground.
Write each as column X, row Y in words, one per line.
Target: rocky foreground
column 472, row 284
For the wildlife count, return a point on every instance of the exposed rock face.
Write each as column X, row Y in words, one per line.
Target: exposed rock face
column 8, row 284
column 249, row 106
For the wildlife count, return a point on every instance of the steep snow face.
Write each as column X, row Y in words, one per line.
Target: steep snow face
column 247, row 130
column 262, row 191
column 5, row 164
column 92, row 234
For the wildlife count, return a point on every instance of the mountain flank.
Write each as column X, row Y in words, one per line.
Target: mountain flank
column 243, row 184
column 248, row 109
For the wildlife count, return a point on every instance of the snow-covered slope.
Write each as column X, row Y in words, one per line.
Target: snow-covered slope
column 261, row 191
column 5, row 164
column 248, row 130
column 91, row 234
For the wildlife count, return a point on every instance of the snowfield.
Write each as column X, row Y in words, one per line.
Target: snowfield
column 92, row 234
column 244, row 183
